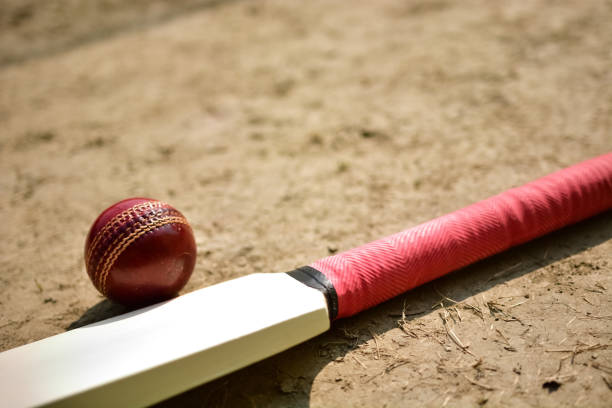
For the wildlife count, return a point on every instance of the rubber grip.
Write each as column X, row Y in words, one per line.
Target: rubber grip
column 370, row 274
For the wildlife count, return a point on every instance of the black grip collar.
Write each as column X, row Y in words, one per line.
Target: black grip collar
column 309, row 276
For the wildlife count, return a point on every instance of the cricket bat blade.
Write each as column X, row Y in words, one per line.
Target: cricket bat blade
column 153, row 353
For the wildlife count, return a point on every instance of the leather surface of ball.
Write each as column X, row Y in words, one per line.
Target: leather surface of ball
column 140, row 251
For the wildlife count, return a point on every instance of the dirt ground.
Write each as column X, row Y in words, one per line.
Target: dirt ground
column 286, row 131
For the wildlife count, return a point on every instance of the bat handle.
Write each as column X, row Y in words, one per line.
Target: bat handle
column 370, row 274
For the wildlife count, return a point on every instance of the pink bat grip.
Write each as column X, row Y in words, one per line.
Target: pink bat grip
column 370, row 274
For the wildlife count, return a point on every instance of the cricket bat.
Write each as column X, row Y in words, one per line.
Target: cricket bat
column 150, row 354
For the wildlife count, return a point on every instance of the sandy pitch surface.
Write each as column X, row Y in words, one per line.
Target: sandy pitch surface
column 286, row 131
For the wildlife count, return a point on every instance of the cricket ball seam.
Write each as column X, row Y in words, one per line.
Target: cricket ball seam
column 117, row 221
column 128, row 226
column 151, row 224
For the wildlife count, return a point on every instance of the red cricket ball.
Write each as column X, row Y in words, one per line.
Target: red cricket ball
column 140, row 251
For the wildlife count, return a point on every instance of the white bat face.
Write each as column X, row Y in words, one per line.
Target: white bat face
column 153, row 353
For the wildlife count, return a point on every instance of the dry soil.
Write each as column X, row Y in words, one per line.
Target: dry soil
column 289, row 130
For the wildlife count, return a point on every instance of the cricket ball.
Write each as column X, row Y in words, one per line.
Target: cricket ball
column 140, row 251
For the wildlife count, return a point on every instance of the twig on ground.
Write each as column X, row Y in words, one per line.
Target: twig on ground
column 454, row 337
column 518, row 304
column 375, row 337
column 587, row 300
column 458, row 314
column 578, row 350
column 568, row 306
column 475, row 309
column 481, row 385
column 445, row 297
column 496, row 309
column 410, row 333
column 360, row 362
column 502, row 336
column 396, row 364
column 38, row 285
column 508, row 346
column 593, row 317
column 389, row 368
column 403, row 315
